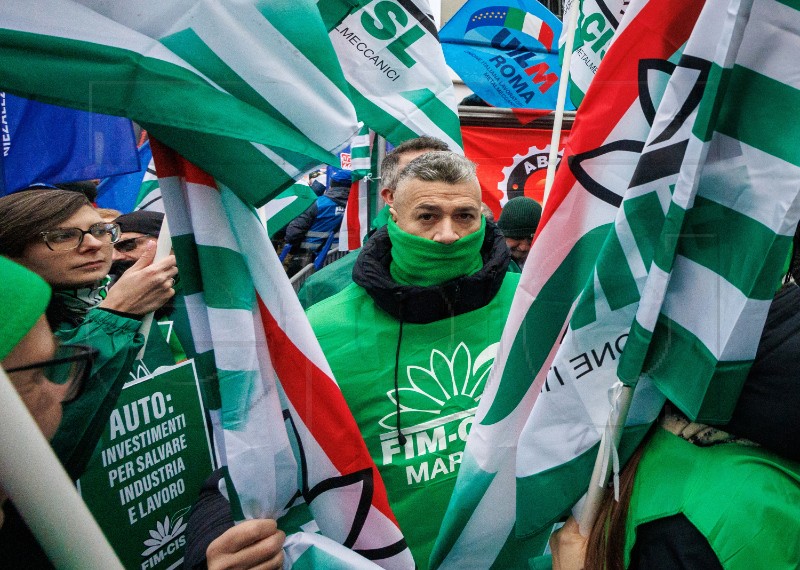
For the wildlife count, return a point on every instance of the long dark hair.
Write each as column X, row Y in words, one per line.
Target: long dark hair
column 23, row 215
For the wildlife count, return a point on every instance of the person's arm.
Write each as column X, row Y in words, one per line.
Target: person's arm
column 212, row 540
column 118, row 342
column 672, row 543
column 298, row 227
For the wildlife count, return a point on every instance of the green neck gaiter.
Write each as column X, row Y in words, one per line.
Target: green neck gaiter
column 424, row 262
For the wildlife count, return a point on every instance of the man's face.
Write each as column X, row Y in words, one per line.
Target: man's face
column 436, row 210
column 519, row 249
column 128, row 250
column 79, row 267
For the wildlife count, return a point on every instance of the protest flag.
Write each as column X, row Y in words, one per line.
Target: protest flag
column 360, row 207
column 272, row 379
column 256, row 112
column 391, row 57
column 51, row 144
column 602, row 152
column 507, row 53
column 597, row 24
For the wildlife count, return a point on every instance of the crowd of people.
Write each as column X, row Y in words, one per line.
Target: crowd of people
column 431, row 287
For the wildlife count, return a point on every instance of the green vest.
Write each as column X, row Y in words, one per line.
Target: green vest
column 442, row 373
column 744, row 500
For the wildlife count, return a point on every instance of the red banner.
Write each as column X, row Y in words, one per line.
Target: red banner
column 511, row 161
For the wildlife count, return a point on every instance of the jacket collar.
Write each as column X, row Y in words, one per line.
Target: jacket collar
column 422, row 305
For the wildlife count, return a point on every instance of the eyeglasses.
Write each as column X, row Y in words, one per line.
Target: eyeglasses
column 130, row 244
column 72, row 363
column 64, row 239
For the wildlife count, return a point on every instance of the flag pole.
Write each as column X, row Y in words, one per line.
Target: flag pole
column 43, row 494
column 572, row 24
column 606, row 460
column 163, row 247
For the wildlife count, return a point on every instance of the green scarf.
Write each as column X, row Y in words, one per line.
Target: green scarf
column 424, row 262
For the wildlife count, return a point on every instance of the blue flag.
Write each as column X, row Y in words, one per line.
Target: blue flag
column 507, row 53
column 49, row 144
column 120, row 192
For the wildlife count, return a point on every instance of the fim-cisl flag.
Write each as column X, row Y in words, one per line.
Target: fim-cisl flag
column 506, row 52
column 392, row 60
column 696, row 254
column 598, row 21
column 288, row 440
column 361, row 202
column 256, row 112
column 605, row 143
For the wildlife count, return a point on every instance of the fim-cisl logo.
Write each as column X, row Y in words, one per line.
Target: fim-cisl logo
column 165, row 539
column 437, row 408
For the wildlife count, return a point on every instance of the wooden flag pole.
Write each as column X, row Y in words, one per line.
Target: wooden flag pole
column 43, row 494
column 572, row 24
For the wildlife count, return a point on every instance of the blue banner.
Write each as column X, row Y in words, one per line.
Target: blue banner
column 120, row 192
column 49, row 144
column 507, row 53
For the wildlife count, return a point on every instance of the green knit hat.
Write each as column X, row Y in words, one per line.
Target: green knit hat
column 520, row 217
column 24, row 297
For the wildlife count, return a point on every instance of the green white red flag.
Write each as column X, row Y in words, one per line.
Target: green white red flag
column 251, row 90
column 605, row 142
column 272, row 378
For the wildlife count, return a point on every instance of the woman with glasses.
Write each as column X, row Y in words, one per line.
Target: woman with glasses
column 60, row 236
column 44, row 373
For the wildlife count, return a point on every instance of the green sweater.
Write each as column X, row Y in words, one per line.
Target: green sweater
column 744, row 500
column 443, row 367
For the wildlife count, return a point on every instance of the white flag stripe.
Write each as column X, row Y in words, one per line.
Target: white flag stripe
column 778, row 22
column 291, row 170
column 260, row 55
column 631, row 250
column 275, row 291
column 198, row 320
column 208, row 216
column 691, row 288
column 532, row 25
column 95, row 28
column 754, row 187
column 179, row 222
column 234, row 339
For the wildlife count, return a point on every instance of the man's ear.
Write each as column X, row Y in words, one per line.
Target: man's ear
column 388, row 196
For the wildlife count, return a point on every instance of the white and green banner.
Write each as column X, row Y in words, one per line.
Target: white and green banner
column 149, row 465
column 393, row 62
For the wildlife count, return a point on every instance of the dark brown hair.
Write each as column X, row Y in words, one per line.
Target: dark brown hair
column 605, row 548
column 24, row 215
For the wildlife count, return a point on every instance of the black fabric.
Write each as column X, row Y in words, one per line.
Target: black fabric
column 339, row 192
column 298, row 227
column 768, row 410
column 210, row 518
column 422, row 305
column 672, row 543
column 18, row 547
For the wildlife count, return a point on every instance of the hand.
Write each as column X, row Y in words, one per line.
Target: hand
column 253, row 544
column 568, row 546
column 145, row 287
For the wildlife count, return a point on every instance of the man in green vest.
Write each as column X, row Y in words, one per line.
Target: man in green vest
column 412, row 341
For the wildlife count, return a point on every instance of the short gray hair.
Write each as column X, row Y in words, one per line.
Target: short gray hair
column 439, row 166
column 389, row 166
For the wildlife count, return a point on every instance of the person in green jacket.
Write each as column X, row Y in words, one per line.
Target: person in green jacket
column 59, row 235
column 334, row 277
column 412, row 341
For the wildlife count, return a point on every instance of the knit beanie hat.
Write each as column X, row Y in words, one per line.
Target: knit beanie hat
column 24, row 297
column 520, row 217
column 141, row 222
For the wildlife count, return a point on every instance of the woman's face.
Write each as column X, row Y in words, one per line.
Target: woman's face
column 79, row 267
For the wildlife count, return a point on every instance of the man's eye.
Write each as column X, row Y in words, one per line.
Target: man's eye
column 426, row 217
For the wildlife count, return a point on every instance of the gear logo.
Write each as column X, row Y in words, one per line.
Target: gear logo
column 527, row 170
